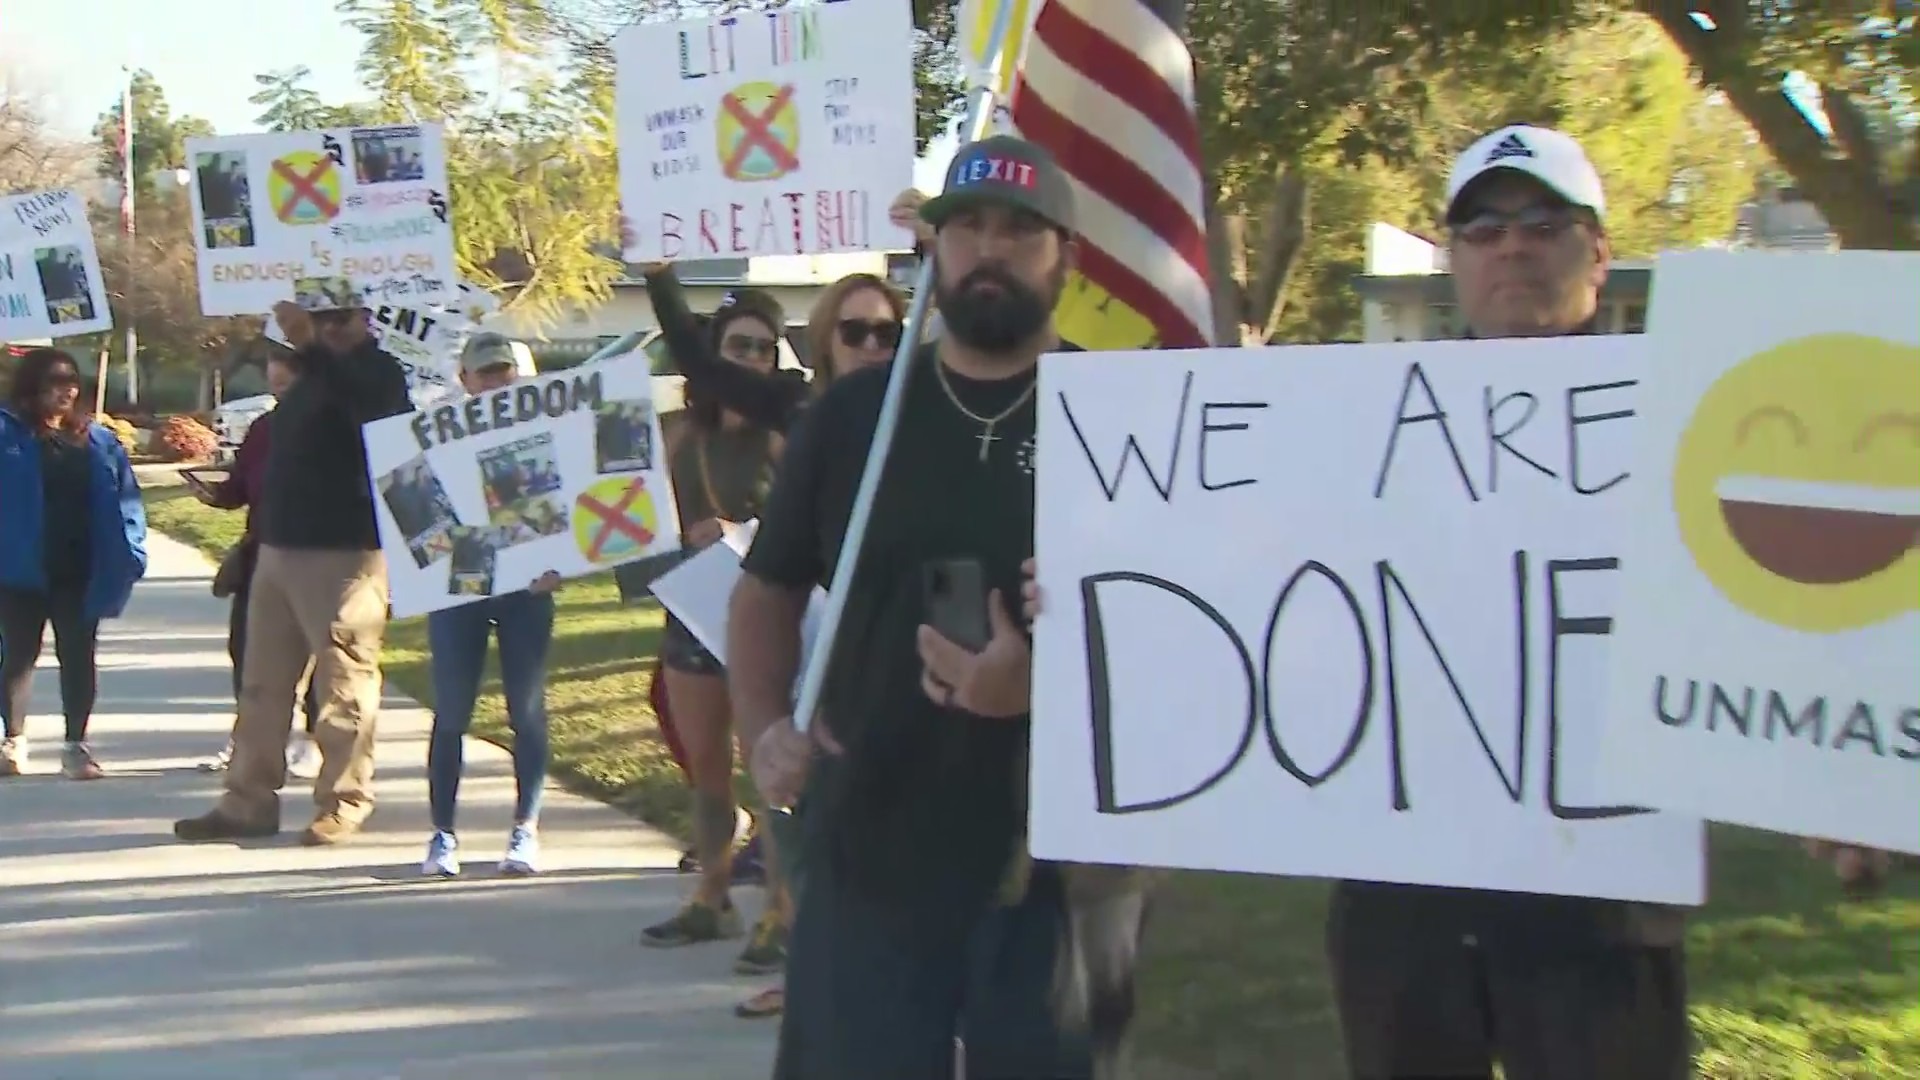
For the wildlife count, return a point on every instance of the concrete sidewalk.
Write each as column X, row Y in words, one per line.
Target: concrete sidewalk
column 124, row 954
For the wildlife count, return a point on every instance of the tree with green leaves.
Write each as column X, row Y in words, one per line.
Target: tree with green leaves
column 159, row 137
column 532, row 168
column 287, row 103
column 1856, row 160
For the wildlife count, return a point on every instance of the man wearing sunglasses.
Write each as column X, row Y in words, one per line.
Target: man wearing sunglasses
column 1436, row 982
column 319, row 590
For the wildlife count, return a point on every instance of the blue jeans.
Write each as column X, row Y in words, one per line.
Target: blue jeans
column 457, row 642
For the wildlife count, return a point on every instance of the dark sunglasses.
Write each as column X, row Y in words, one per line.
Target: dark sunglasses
column 1484, row 227
column 857, row 332
column 62, row 380
column 749, row 345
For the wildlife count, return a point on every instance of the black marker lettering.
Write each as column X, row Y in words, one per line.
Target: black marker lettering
column 1719, row 702
column 1577, row 419
column 1363, row 711
column 526, row 403
column 422, row 425
column 1561, row 626
column 1132, row 447
column 1401, row 419
column 1515, row 781
column 1910, row 731
column 1861, row 727
column 1681, row 719
column 586, row 392
column 556, row 398
column 1497, row 436
column 1812, row 721
column 1100, row 692
column 502, row 409
column 474, row 412
column 1208, row 427
column 446, row 424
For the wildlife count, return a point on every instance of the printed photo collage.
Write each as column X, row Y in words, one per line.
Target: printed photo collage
column 523, row 490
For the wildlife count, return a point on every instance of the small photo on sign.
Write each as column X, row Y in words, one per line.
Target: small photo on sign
column 226, row 199
column 623, row 437
column 388, row 155
column 326, row 294
column 519, row 478
column 420, row 507
column 63, row 281
column 470, row 572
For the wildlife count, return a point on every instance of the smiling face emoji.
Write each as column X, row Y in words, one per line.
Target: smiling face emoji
column 1797, row 483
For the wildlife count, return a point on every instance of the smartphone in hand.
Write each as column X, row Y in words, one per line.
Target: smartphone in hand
column 954, row 599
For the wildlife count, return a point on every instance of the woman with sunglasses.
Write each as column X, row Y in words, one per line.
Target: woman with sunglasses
column 72, row 545
column 721, row 465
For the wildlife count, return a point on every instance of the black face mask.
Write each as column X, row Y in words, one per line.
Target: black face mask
column 992, row 321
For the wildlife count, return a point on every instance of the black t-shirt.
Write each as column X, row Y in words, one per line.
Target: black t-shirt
column 926, row 799
column 66, row 475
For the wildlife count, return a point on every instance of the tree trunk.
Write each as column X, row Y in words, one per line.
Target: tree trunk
column 1849, row 194
column 1247, row 304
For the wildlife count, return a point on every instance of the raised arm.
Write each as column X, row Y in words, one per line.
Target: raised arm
column 768, row 400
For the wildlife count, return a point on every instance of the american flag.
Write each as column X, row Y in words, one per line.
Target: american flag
column 1107, row 87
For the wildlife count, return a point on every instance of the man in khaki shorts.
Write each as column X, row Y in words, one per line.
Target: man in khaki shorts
column 319, row 590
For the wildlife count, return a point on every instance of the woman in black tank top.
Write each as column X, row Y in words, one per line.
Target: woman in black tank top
column 722, row 468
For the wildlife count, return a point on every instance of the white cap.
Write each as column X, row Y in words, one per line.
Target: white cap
column 1554, row 159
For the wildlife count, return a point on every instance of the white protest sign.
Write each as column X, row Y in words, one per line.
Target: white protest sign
column 480, row 496
column 50, row 284
column 784, row 132
column 426, row 341
column 1351, row 602
column 1766, row 670
column 699, row 591
column 346, row 211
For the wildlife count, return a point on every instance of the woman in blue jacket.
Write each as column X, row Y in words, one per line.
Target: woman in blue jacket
column 72, row 544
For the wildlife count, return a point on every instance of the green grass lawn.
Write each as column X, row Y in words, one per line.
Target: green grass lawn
column 1788, row 980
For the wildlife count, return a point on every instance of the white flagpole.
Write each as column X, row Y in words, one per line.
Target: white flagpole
column 126, row 179
column 813, row 678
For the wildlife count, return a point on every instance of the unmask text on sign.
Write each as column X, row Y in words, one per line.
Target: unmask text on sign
column 1339, row 612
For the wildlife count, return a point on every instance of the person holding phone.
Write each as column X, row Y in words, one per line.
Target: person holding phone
column 72, row 546
column 920, row 736
column 244, row 488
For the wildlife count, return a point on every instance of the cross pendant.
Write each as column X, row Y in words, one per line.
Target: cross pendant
column 987, row 439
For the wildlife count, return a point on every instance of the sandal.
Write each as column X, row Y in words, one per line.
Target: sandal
column 769, row 1002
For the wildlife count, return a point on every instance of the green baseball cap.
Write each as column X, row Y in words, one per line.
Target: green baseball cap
column 1003, row 171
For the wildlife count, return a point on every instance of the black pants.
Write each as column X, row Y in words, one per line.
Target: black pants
column 237, row 650
column 76, row 641
column 1420, row 1002
column 878, row 991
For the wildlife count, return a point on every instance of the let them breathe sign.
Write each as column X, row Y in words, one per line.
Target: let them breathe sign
column 784, row 132
column 1342, row 612
column 479, row 496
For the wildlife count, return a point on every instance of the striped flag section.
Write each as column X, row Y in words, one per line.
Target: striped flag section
column 1107, row 87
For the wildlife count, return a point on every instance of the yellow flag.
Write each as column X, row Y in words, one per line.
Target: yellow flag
column 976, row 26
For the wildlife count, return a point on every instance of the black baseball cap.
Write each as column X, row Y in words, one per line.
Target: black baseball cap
column 1005, row 171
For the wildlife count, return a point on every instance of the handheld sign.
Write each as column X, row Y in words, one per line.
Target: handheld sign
column 50, row 283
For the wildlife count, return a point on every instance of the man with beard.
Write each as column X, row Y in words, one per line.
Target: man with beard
column 917, row 920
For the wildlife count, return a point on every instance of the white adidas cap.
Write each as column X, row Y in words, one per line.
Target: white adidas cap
column 1554, row 159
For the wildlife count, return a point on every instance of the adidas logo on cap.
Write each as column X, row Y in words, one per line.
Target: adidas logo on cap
column 1510, row 147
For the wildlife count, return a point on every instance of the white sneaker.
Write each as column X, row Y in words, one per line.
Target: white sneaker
column 221, row 761
column 523, row 852
column 443, row 856
column 13, row 756
column 303, row 758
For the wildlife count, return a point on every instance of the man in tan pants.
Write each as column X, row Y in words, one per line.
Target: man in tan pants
column 319, row 589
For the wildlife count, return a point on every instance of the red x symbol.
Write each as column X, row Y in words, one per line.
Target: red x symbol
column 303, row 187
column 758, row 131
column 614, row 519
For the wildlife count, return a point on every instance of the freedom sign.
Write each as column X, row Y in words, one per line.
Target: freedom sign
column 479, row 496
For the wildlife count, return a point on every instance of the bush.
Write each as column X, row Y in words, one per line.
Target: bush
column 182, row 438
column 127, row 434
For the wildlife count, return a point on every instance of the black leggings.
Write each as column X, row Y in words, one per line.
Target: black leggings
column 237, row 651
column 76, row 641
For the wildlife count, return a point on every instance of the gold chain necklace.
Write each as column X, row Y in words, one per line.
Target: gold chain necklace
column 987, row 437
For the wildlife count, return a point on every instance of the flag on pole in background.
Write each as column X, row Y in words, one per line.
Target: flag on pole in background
column 126, row 157
column 1107, row 87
